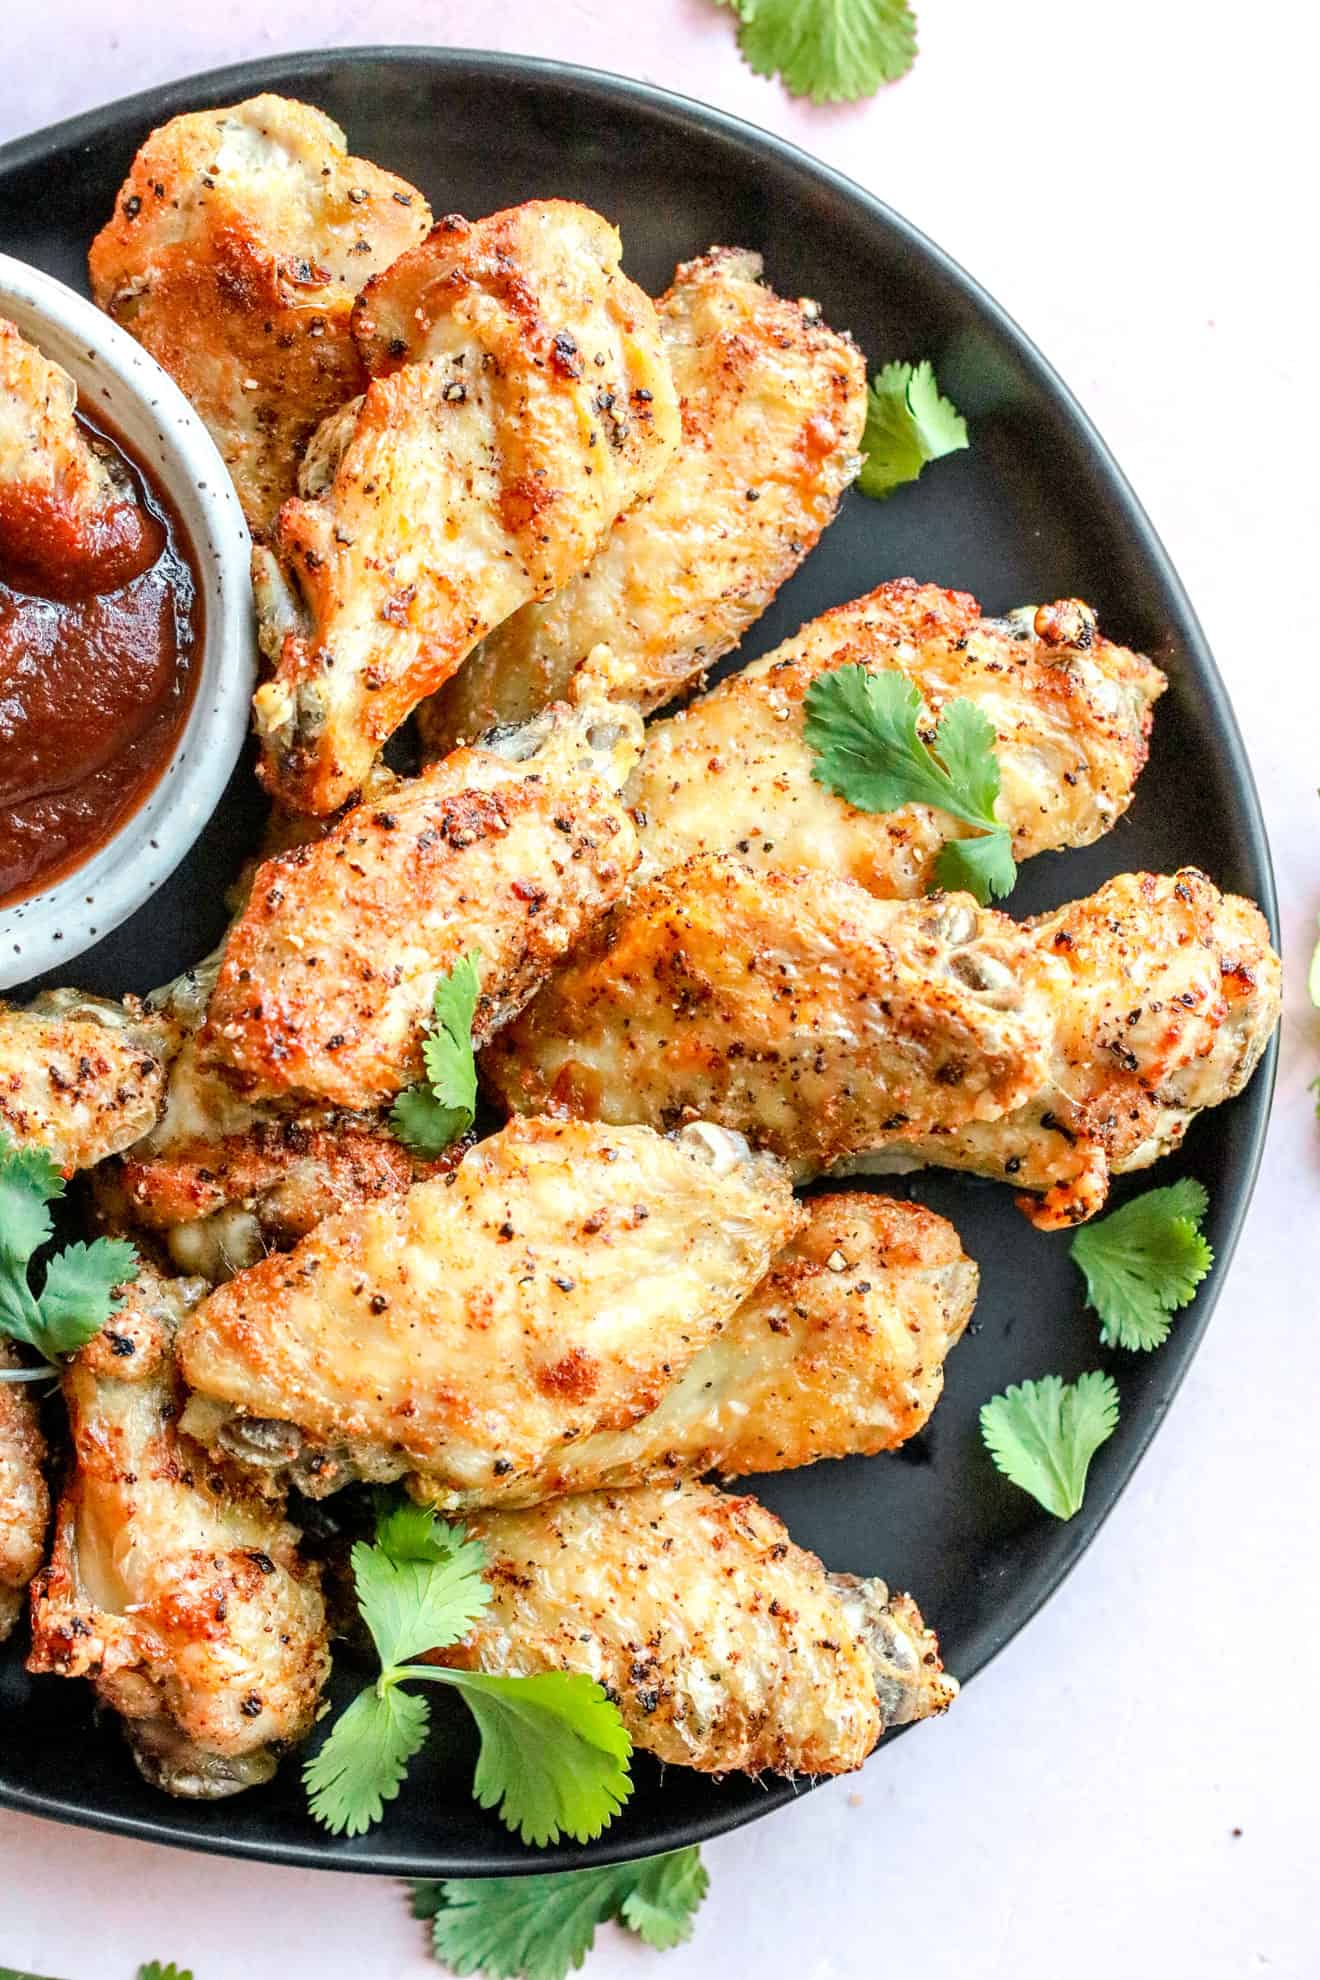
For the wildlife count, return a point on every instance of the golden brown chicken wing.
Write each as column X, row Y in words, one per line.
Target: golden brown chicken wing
column 237, row 246
column 1072, row 714
column 82, row 1076
column 838, row 1352
column 773, row 406
column 520, row 399
column 24, row 1500
column 551, row 1287
column 177, row 1590
column 726, row 1647
column 826, row 1024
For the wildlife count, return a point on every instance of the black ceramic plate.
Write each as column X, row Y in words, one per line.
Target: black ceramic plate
column 1035, row 510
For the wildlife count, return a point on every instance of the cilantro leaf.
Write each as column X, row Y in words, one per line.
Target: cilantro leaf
column 428, row 1116
column 908, row 425
column 29, row 1180
column 153, row 1970
column 408, row 1531
column 542, row 1928
column 833, row 51
column 863, row 729
column 76, row 1299
column 1143, row 1262
column 78, row 1296
column 1043, row 1435
column 362, row 1764
column 411, row 1606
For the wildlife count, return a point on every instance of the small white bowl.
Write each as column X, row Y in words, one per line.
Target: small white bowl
column 115, row 376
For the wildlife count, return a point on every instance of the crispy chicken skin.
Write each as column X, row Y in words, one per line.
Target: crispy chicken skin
column 24, row 1500
column 238, row 244
column 838, row 1352
column 520, row 399
column 173, row 1586
column 1072, row 715
column 827, row 1025
column 82, row 1076
column 513, row 849
column 549, row 1288
column 773, row 405
column 727, row 1648
column 67, row 517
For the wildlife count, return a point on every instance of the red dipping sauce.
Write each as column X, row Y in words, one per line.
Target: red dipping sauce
column 100, row 647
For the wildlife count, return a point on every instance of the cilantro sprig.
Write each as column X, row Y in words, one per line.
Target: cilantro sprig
column 428, row 1116
column 153, row 1970
column 1043, row 1435
column 908, row 425
column 833, row 51
column 863, row 729
column 1143, row 1262
column 77, row 1294
column 542, row 1928
column 554, row 1754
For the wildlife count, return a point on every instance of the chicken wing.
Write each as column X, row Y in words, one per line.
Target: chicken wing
column 513, row 849
column 551, row 1287
column 726, row 1647
column 1072, row 714
column 82, row 1076
column 838, row 1352
column 68, row 516
column 773, row 405
column 520, row 399
column 237, row 246
column 177, row 1590
column 826, row 1024
column 24, row 1500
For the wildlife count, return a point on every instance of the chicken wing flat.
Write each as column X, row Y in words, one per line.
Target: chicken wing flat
column 726, row 1647
column 237, row 247
column 824, row 1024
column 81, row 1076
column 838, row 1352
column 24, row 1500
column 67, row 517
column 520, row 399
column 513, row 850
column 549, row 1288
column 173, row 1586
column 1072, row 714
column 773, row 405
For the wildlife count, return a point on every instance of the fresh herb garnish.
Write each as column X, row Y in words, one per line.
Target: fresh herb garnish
column 428, row 1116
column 77, row 1294
column 153, row 1970
column 1043, row 1435
column 541, row 1928
column 833, row 51
column 870, row 751
column 908, row 425
column 554, row 1752
column 1143, row 1262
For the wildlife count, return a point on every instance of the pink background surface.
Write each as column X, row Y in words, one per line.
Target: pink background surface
column 1135, row 184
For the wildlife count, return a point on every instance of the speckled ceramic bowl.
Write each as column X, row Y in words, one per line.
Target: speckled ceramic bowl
column 116, row 377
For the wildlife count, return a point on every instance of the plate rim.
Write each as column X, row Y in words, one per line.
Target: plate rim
column 169, row 99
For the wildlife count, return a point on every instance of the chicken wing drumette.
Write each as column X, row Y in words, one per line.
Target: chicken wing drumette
column 238, row 244
column 80, row 1075
column 173, row 1586
column 773, row 405
column 520, row 399
column 727, row 1648
column 826, row 1024
column 24, row 1500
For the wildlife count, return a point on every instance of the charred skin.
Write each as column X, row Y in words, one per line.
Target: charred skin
column 80, row 1076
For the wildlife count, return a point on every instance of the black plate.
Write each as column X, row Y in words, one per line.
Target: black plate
column 1036, row 510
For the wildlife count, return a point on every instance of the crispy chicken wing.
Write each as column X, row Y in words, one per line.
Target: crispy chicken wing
column 826, row 1024
column 520, row 399
column 237, row 246
column 838, row 1352
column 82, row 1076
column 173, row 1586
column 773, row 405
column 551, row 1287
column 513, row 849
column 1072, row 714
column 726, row 1647
column 24, row 1500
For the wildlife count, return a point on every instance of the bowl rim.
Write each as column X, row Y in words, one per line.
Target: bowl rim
column 50, row 928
